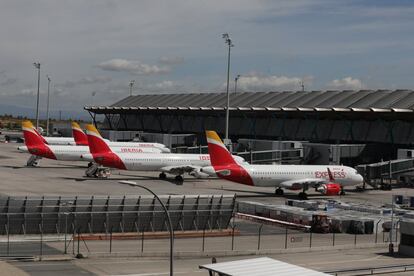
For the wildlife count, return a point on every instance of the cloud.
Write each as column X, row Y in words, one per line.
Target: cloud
column 345, row 83
column 164, row 86
column 8, row 81
column 171, row 60
column 255, row 82
column 134, row 67
column 23, row 92
column 86, row 81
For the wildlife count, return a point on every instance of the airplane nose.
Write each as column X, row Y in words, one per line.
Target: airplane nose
column 360, row 179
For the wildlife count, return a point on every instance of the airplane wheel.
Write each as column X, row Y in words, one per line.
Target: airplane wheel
column 303, row 196
column 342, row 192
column 179, row 180
column 162, row 176
column 279, row 191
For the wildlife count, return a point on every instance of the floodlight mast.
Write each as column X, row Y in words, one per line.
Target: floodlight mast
column 230, row 45
column 302, row 85
column 236, row 79
column 37, row 66
column 47, row 107
column 131, row 83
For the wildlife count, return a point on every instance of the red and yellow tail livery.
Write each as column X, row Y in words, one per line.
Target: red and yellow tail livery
column 35, row 142
column 223, row 162
column 100, row 150
column 80, row 137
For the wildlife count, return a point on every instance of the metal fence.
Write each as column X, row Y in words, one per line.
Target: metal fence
column 55, row 215
column 240, row 236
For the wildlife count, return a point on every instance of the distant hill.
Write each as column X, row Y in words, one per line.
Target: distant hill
column 31, row 112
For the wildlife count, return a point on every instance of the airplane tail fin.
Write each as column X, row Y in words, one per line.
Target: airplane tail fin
column 331, row 177
column 80, row 137
column 95, row 141
column 219, row 154
column 29, row 124
column 32, row 138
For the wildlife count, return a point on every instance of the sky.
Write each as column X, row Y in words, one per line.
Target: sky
column 91, row 50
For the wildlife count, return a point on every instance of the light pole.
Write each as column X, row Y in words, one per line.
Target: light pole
column 131, row 83
column 47, row 106
column 167, row 214
column 302, row 85
column 37, row 66
column 235, row 83
column 230, row 44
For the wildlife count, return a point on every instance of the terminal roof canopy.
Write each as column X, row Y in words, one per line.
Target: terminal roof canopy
column 358, row 101
column 260, row 267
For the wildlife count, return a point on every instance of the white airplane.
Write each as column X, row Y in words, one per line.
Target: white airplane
column 82, row 139
column 36, row 146
column 328, row 180
column 79, row 138
column 56, row 140
column 175, row 164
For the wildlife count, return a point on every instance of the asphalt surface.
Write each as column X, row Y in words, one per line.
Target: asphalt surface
column 59, row 178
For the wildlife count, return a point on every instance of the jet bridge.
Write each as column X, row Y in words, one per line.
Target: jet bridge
column 381, row 174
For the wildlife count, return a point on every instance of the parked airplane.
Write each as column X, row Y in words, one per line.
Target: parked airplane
column 82, row 139
column 175, row 164
column 36, row 146
column 328, row 180
column 56, row 140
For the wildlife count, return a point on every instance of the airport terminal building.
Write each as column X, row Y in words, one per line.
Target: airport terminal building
column 363, row 116
column 368, row 117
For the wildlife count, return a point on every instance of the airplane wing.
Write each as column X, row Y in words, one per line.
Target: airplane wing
column 179, row 170
column 298, row 184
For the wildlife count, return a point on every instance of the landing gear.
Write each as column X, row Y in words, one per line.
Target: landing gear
column 303, row 196
column 179, row 180
column 342, row 192
column 33, row 161
column 279, row 191
column 162, row 176
column 95, row 170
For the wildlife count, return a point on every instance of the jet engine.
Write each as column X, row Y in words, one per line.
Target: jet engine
column 197, row 173
column 209, row 170
column 329, row 189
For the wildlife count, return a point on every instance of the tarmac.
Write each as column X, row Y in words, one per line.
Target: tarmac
column 60, row 178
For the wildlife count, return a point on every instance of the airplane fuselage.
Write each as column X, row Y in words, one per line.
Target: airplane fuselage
column 274, row 175
column 74, row 153
column 71, row 141
column 171, row 163
column 60, row 140
column 155, row 162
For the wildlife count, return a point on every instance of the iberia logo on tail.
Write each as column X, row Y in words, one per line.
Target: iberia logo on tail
column 95, row 141
column 223, row 162
column 100, row 150
column 28, row 126
column 35, row 142
column 80, row 137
